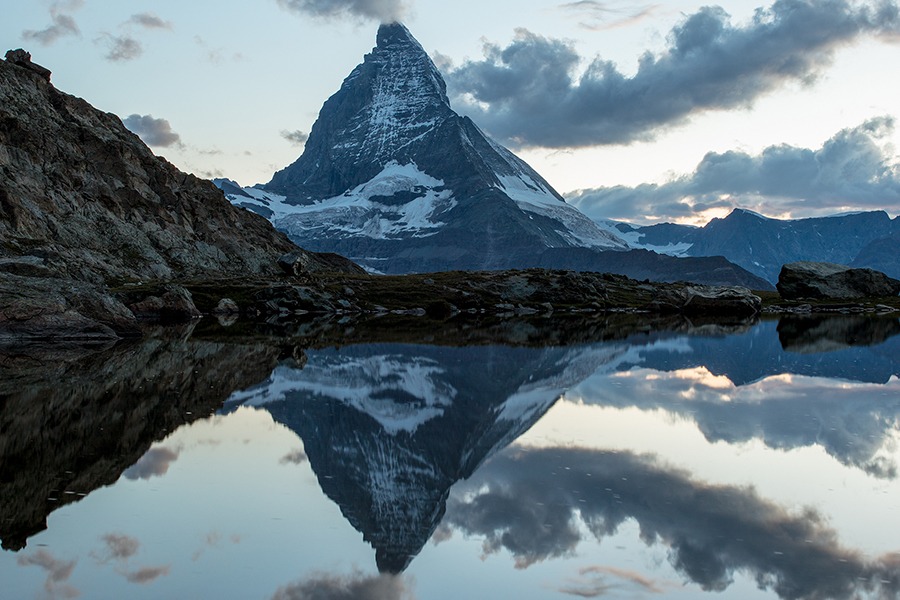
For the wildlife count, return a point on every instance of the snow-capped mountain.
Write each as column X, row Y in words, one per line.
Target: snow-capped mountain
column 762, row 244
column 389, row 428
column 393, row 178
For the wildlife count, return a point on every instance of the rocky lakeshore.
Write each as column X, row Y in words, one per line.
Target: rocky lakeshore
column 98, row 235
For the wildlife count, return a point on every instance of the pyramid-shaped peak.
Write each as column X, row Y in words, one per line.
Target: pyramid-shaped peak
column 393, row 34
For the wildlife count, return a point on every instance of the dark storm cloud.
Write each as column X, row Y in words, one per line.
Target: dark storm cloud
column 149, row 21
column 154, row 463
column 62, row 23
column 850, row 170
column 351, row 587
column 296, row 138
column 385, row 11
column 120, row 47
column 529, row 93
column 529, row 502
column 154, row 132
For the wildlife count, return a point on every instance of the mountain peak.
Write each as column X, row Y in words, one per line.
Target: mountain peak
column 395, row 34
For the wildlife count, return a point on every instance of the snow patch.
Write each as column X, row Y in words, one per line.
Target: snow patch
column 400, row 392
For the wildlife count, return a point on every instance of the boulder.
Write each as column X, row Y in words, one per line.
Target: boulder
column 42, row 308
column 174, row 305
column 827, row 281
column 715, row 301
column 23, row 59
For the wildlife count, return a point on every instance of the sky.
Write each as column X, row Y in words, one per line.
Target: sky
column 635, row 110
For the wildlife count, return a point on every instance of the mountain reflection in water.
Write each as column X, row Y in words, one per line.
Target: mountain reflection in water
column 415, row 441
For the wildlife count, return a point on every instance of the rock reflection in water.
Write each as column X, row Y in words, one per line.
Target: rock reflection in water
column 73, row 418
column 812, row 334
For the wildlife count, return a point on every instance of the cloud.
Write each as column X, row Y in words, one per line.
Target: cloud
column 149, row 21
column 62, row 24
column 58, row 573
column 297, row 457
column 385, row 11
column 530, row 93
column 118, row 547
column 595, row 581
column 352, row 587
column 154, row 463
column 601, row 16
column 154, row 132
column 851, row 171
column 296, row 138
column 530, row 503
column 121, row 47
column 146, row 575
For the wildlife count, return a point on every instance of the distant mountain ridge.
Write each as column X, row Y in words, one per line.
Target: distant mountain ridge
column 394, row 179
column 762, row 244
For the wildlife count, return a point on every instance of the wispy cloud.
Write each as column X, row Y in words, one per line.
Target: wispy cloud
column 120, row 47
column 62, row 23
column 296, row 138
column 851, row 171
column 601, row 16
column 149, row 21
column 385, row 11
column 58, row 573
column 533, row 92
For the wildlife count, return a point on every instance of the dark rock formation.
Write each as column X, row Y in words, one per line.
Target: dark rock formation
column 833, row 282
column 23, row 59
column 83, row 202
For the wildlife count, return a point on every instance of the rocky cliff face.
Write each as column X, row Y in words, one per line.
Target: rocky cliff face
column 84, row 202
column 392, row 177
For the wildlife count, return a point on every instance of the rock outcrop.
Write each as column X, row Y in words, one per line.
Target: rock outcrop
column 83, row 203
column 827, row 281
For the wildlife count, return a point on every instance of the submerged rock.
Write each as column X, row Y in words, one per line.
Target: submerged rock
column 825, row 281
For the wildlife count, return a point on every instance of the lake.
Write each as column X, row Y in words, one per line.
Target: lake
column 614, row 458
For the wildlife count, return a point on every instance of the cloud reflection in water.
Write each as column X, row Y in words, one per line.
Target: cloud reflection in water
column 530, row 502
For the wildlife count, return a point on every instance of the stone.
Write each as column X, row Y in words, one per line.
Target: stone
column 23, row 59
column 174, row 305
column 718, row 301
column 827, row 281
column 225, row 307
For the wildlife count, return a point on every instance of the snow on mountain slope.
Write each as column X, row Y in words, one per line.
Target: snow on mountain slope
column 399, row 391
column 389, row 160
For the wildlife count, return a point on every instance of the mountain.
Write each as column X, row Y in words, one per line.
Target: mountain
column 394, row 179
column 762, row 245
column 84, row 203
column 389, row 428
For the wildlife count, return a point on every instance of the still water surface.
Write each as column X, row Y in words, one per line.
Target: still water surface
column 755, row 461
